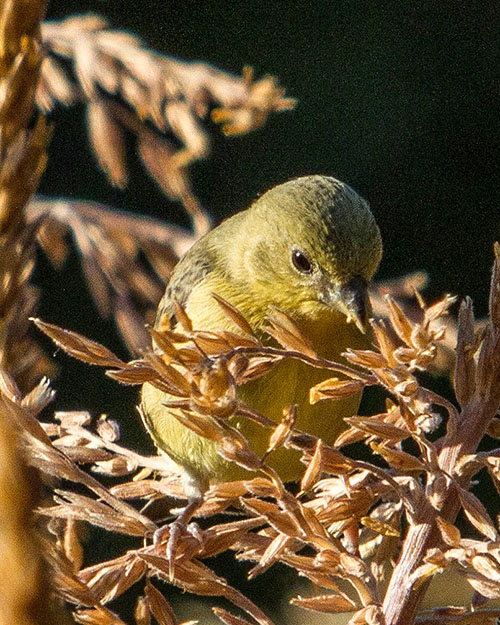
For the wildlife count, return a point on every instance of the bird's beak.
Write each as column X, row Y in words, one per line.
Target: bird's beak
column 353, row 301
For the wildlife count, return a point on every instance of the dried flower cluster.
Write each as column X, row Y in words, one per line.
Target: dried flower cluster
column 167, row 93
column 354, row 525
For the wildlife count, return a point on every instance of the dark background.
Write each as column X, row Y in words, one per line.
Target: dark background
column 398, row 99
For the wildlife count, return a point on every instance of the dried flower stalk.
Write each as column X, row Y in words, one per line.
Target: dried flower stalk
column 23, row 580
column 168, row 93
column 344, row 530
column 22, row 161
column 23, row 575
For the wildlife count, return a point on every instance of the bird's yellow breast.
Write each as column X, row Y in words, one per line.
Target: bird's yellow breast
column 288, row 383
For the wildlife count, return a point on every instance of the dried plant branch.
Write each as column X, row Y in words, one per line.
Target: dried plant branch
column 22, row 161
column 128, row 89
column 23, row 577
column 170, row 94
column 354, row 524
column 480, row 401
column 110, row 243
column 345, row 525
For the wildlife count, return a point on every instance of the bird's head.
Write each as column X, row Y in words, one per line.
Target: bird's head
column 312, row 245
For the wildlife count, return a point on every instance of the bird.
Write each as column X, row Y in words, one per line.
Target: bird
column 309, row 247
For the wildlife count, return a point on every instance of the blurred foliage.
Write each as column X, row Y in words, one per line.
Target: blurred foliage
column 397, row 99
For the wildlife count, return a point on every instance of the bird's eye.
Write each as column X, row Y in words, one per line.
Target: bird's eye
column 301, row 262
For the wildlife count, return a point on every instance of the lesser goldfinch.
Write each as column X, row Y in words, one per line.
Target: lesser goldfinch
column 309, row 247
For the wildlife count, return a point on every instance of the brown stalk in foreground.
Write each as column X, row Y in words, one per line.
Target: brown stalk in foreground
column 477, row 386
column 25, row 588
column 22, row 161
column 404, row 512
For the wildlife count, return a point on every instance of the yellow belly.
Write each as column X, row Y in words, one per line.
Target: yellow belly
column 288, row 383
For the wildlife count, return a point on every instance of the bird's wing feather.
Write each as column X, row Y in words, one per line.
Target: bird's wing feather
column 189, row 271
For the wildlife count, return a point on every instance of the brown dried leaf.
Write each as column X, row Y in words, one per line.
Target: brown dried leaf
column 73, row 418
column 282, row 432
column 111, row 579
column 163, row 342
column 9, row 388
column 116, row 466
column 397, row 458
column 333, row 461
column 276, row 547
column 219, row 538
column 439, row 309
column 325, row 459
column 366, row 358
column 378, row 428
column 449, row 533
column 348, row 437
column 385, row 529
column 107, row 139
column 278, row 519
column 284, row 329
column 108, row 429
column 159, row 606
column 135, row 490
column 79, row 346
column 484, row 586
column 39, row 397
column 75, row 506
column 333, row 388
column 202, row 425
column 331, row 604
column 493, row 428
column 487, row 566
column 182, row 317
column 174, row 378
column 369, row 615
column 465, row 366
column 98, row 616
column 238, row 340
column 234, row 447
column 314, row 468
column 399, row 321
column 82, row 455
column 142, row 615
column 257, row 366
column 210, row 343
column 72, row 546
column 97, row 282
column 229, row 619
column 261, row 487
column 191, row 575
column 135, row 374
column 384, row 341
column 157, row 154
column 477, row 514
column 234, row 315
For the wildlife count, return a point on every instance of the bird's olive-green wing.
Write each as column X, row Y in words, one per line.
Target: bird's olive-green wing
column 189, row 271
